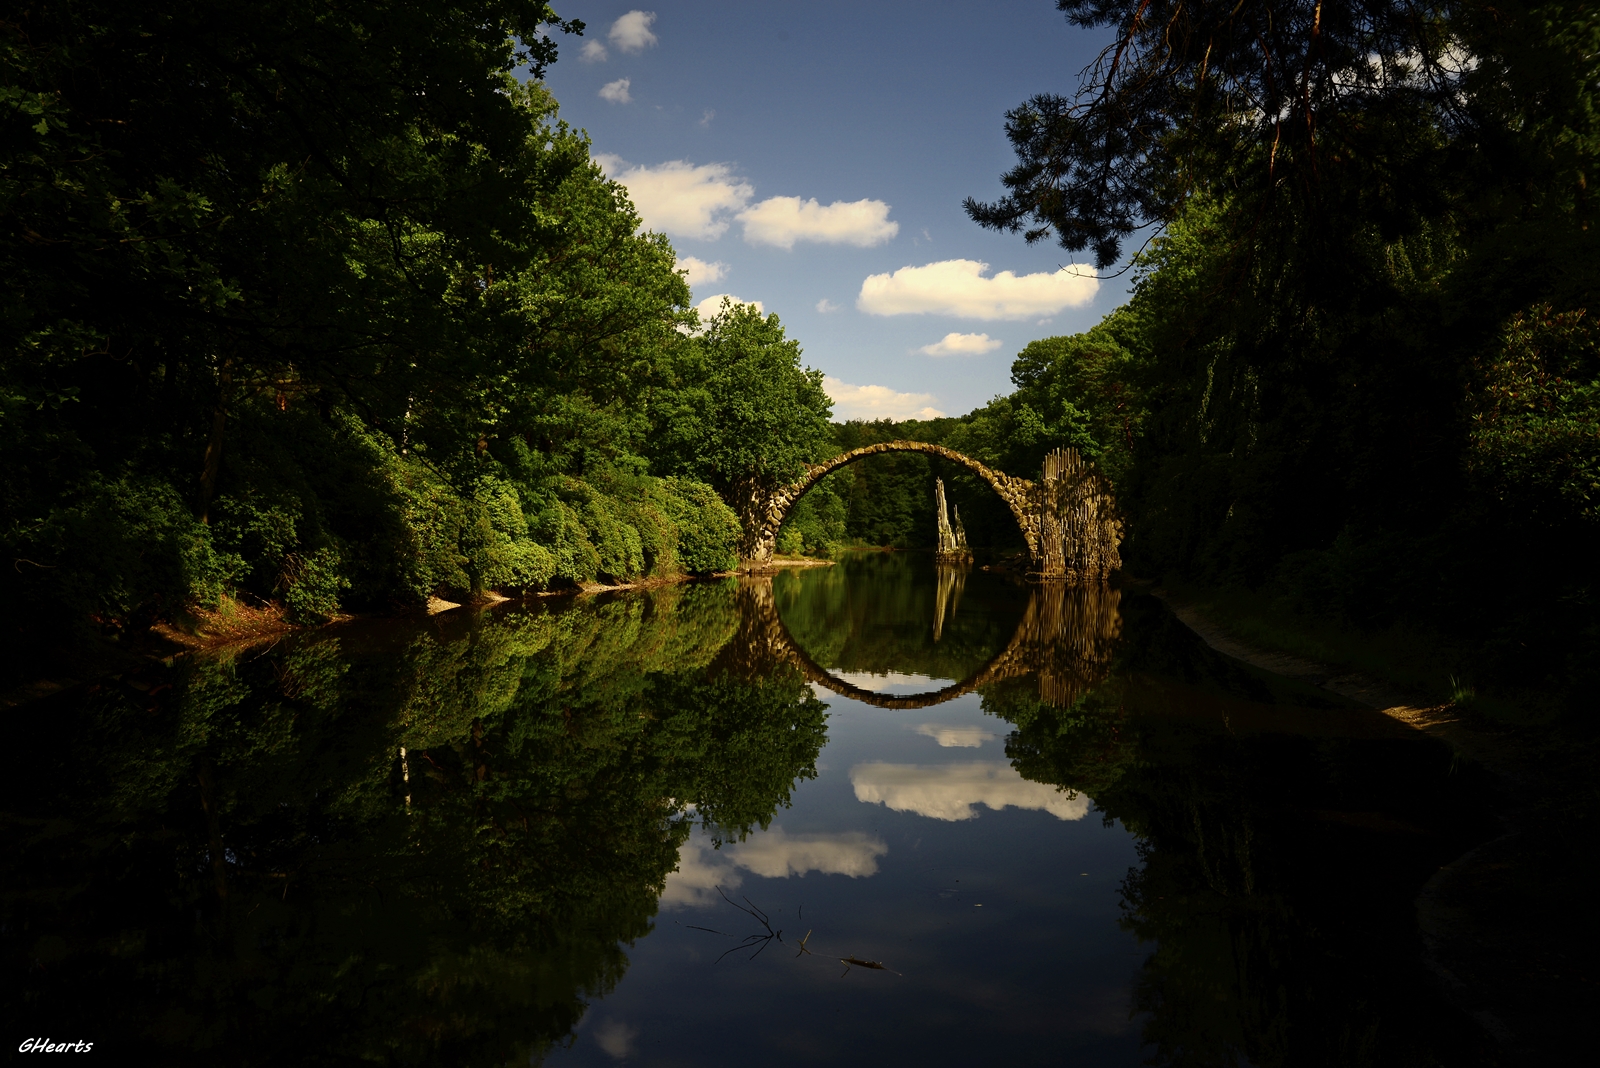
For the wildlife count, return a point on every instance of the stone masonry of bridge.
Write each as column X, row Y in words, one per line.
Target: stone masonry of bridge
column 1068, row 519
column 763, row 514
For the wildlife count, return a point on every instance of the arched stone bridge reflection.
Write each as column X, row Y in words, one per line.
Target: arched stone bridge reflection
column 1066, row 637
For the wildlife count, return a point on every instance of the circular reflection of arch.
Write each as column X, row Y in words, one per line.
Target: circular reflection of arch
column 1066, row 637
column 994, row 670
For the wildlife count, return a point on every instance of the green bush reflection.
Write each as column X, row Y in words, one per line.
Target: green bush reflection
column 397, row 844
column 1283, row 837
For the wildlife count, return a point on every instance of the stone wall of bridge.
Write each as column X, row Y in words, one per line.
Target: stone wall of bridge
column 1068, row 519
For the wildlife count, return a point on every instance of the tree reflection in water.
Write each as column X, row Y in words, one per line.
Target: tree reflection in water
column 1283, row 839
column 229, row 861
column 218, row 862
column 1283, row 832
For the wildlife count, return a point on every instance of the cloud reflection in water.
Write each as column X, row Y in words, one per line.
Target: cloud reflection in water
column 948, row 791
column 773, row 854
column 955, row 737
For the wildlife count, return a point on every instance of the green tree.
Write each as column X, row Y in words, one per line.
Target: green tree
column 332, row 301
column 1361, row 213
column 740, row 411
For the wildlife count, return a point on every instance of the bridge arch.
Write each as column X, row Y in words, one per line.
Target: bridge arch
column 761, row 527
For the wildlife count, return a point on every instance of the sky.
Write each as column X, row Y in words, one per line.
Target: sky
column 812, row 157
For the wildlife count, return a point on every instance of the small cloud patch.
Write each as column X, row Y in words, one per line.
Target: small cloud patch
column 878, row 402
column 963, row 288
column 631, row 33
column 781, row 221
column 712, row 305
column 955, row 737
column 949, row 791
column 616, row 1038
column 697, row 270
column 680, row 198
column 961, row 345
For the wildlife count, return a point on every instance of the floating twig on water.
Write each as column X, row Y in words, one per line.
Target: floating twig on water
column 857, row 962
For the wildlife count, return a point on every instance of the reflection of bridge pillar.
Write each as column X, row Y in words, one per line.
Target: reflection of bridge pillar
column 760, row 646
column 949, row 581
column 1068, row 637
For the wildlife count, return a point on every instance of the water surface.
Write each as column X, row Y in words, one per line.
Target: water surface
column 655, row 828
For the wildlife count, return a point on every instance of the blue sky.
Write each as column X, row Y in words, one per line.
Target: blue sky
column 726, row 120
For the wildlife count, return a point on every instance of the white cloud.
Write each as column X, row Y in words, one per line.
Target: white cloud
column 782, row 221
column 679, row 198
column 617, row 91
column 948, row 791
column 825, row 306
column 961, row 345
column 878, row 402
column 956, row 737
column 773, row 854
column 698, row 270
column 683, row 199
column 631, row 33
column 593, row 52
column 705, row 119
column 713, row 304
column 958, row 287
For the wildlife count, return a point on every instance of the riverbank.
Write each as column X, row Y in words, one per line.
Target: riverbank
column 237, row 623
column 780, row 562
column 1507, row 927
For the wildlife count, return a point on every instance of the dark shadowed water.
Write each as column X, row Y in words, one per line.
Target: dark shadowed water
column 1047, row 825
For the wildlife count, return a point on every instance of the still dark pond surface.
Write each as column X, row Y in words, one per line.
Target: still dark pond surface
column 652, row 828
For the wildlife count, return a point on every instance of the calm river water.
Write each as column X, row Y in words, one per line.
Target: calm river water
column 655, row 828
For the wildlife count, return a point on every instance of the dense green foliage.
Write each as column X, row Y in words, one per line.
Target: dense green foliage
column 394, row 845
column 744, row 413
column 322, row 305
column 1358, row 369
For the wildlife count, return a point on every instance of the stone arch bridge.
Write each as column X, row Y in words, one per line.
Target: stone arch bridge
column 1068, row 518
